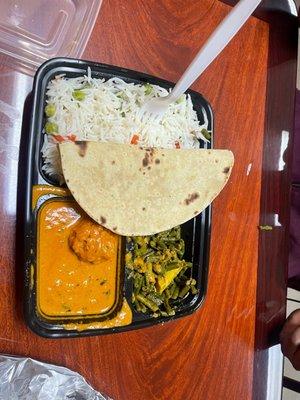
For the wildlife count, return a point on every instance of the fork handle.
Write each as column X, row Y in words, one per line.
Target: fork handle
column 215, row 44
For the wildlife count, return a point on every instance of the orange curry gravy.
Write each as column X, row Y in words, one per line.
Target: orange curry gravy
column 39, row 191
column 123, row 317
column 77, row 262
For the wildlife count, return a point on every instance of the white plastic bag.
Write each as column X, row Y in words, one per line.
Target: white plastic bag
column 28, row 379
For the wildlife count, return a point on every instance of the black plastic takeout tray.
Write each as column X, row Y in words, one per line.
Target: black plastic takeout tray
column 195, row 232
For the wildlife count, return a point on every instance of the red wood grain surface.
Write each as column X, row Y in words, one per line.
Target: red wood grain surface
column 210, row 354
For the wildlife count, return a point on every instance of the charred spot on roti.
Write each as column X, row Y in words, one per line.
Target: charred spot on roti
column 146, row 160
column 114, row 228
column 196, row 212
column 113, row 162
column 226, row 170
column 103, row 220
column 216, row 161
column 149, row 167
column 82, row 148
column 157, row 161
column 143, row 208
column 191, row 197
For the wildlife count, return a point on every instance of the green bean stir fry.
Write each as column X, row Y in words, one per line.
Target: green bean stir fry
column 159, row 272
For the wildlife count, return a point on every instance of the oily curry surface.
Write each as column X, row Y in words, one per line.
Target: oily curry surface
column 77, row 262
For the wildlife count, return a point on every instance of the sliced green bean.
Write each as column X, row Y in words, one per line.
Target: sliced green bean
column 156, row 298
column 143, row 308
column 141, row 251
column 194, row 290
column 152, row 258
column 168, row 308
column 149, row 254
column 175, row 292
column 157, row 268
column 138, row 282
column 170, row 239
column 172, row 265
column 147, row 302
column 138, row 306
column 184, row 291
column 164, row 314
column 161, row 244
column 171, row 289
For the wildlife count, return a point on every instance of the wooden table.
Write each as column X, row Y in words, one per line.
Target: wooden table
column 221, row 350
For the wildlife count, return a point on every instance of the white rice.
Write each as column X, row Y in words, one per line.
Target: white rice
column 110, row 112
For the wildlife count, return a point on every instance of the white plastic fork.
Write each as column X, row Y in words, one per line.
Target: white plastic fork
column 156, row 107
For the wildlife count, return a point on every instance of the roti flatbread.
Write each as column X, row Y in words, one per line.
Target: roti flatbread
column 142, row 191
